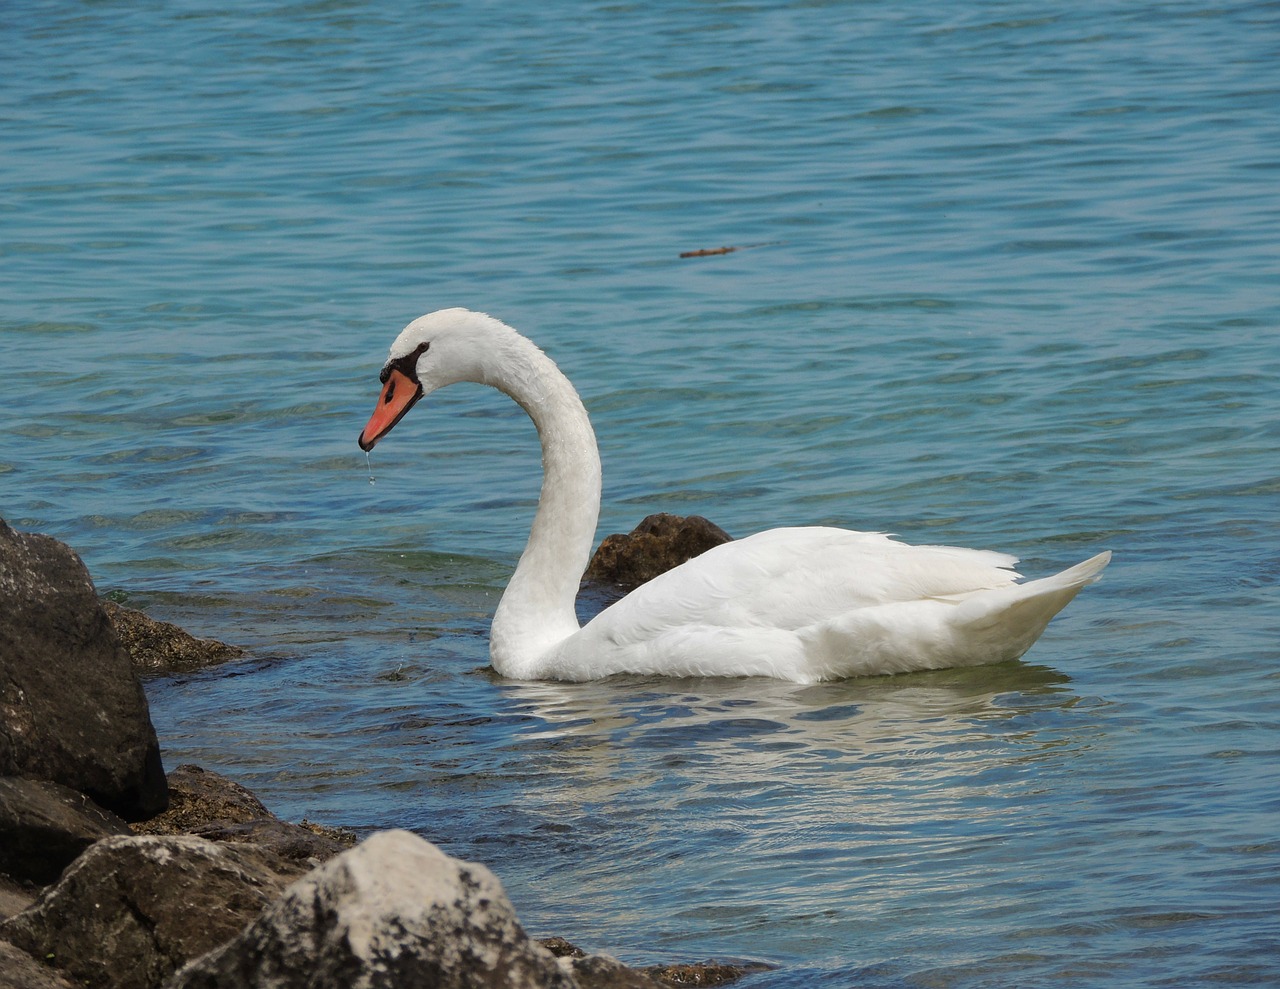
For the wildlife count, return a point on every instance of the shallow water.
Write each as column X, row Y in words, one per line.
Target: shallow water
column 1017, row 288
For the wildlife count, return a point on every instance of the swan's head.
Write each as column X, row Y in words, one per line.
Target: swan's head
column 438, row 349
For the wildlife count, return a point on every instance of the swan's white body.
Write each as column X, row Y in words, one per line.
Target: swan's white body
column 801, row 604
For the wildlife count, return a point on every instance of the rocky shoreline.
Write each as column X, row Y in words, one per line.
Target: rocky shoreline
column 116, row 874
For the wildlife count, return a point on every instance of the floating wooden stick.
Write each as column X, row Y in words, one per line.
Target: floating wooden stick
column 707, row 252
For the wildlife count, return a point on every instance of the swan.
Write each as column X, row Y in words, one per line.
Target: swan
column 802, row 604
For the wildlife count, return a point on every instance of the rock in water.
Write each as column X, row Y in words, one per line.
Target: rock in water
column 659, row 543
column 211, row 806
column 158, row 647
column 131, row 910
column 393, row 912
column 71, row 708
column 44, row 826
column 604, row 972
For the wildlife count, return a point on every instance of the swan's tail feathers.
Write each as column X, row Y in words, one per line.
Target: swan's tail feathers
column 1084, row 573
column 1013, row 617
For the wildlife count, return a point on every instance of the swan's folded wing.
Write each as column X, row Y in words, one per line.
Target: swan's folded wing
column 794, row 577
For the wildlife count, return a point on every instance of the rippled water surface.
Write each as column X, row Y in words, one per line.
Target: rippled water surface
column 1017, row 286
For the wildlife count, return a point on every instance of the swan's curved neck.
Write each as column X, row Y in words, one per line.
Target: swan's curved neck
column 536, row 612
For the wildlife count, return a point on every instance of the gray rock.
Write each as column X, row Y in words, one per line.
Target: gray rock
column 18, row 970
column 157, row 647
column 44, row 826
column 131, row 911
column 393, row 912
column 658, row 544
column 71, row 708
column 15, row 896
column 211, row 806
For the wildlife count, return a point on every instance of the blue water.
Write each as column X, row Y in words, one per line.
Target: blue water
column 1019, row 288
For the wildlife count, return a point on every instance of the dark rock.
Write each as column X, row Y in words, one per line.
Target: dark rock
column 605, row 972
column 703, row 973
column 659, row 543
column 132, row 910
column 18, row 970
column 157, row 647
column 216, row 808
column 44, row 826
column 561, row 948
column 393, row 912
column 71, row 708
column 199, row 798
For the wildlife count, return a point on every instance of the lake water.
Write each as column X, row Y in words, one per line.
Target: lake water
column 1018, row 287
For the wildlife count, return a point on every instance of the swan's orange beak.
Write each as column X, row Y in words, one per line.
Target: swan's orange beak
column 398, row 396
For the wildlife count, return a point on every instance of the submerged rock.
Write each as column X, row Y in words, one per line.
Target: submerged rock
column 658, row 544
column 605, row 972
column 132, row 910
column 71, row 708
column 393, row 912
column 44, row 826
column 157, row 647
column 211, row 806
column 704, row 973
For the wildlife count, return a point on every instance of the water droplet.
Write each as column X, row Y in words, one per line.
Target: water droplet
column 369, row 460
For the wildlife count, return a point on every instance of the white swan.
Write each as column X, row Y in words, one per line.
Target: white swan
column 801, row 604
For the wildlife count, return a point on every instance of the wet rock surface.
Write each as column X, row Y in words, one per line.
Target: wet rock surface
column 704, row 973
column 45, row 826
column 131, row 910
column 605, row 972
column 658, row 544
column 157, row 647
column 208, row 805
column 96, row 738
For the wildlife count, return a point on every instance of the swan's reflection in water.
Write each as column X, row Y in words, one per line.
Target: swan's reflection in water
column 753, row 722
column 762, row 797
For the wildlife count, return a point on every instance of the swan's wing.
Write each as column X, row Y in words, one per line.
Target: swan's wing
column 791, row 578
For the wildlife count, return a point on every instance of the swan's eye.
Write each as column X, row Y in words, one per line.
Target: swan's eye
column 406, row 365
